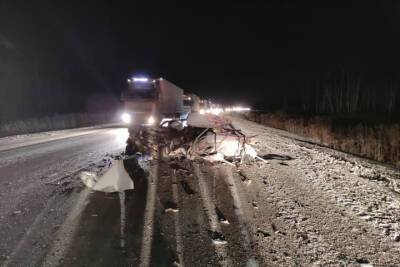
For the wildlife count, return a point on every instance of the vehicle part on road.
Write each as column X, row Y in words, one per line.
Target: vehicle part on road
column 115, row 179
column 213, row 139
column 207, row 121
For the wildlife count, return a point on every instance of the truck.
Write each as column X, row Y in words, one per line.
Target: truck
column 148, row 101
column 191, row 103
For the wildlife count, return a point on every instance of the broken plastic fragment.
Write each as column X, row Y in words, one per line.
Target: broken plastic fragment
column 116, row 179
column 171, row 207
column 206, row 121
column 217, row 238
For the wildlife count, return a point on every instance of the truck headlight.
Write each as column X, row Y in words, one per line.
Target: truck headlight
column 151, row 120
column 126, row 118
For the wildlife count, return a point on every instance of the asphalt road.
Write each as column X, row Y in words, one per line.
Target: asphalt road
column 305, row 206
column 39, row 187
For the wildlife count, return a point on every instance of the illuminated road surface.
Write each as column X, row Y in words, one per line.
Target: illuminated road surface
column 39, row 186
column 307, row 205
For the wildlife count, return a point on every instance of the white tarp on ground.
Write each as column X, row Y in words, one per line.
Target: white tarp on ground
column 115, row 179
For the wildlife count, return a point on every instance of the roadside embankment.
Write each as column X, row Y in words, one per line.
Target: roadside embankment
column 55, row 122
column 377, row 141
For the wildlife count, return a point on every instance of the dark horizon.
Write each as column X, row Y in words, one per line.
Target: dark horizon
column 68, row 57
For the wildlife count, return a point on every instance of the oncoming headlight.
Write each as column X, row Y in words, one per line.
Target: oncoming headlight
column 126, row 118
column 151, row 120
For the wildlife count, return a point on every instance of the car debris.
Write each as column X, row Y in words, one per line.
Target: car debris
column 206, row 136
column 201, row 137
column 217, row 238
column 115, row 179
column 221, row 217
column 170, row 206
column 17, row 212
column 187, row 188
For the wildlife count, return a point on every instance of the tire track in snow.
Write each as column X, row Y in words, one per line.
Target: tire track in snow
column 178, row 234
column 148, row 226
column 226, row 172
column 220, row 249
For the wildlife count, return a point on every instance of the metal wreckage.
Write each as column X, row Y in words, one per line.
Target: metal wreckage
column 165, row 124
column 208, row 137
column 205, row 137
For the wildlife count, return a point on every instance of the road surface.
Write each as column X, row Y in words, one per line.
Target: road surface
column 305, row 206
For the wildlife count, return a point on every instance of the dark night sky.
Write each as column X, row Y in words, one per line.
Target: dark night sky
column 59, row 56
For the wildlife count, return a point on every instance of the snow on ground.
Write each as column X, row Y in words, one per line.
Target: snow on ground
column 306, row 205
column 333, row 208
column 16, row 141
column 39, row 185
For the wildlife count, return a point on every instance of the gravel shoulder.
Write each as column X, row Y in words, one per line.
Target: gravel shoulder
column 321, row 207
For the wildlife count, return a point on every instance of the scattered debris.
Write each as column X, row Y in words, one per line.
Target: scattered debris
column 207, row 121
column 176, row 166
column 170, row 206
column 217, row 238
column 17, row 212
column 187, row 188
column 362, row 261
column 276, row 156
column 221, row 216
column 243, row 177
column 209, row 137
column 396, row 237
column 178, row 153
column 263, row 233
column 115, row 179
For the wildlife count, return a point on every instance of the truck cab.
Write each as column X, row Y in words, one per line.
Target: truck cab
column 148, row 101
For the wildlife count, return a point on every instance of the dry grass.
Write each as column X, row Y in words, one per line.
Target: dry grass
column 376, row 141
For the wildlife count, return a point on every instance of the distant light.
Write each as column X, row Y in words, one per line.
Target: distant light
column 202, row 111
column 126, row 118
column 189, row 98
column 238, row 109
column 216, row 111
column 129, row 80
column 140, row 79
column 151, row 120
